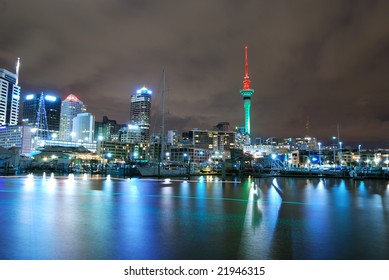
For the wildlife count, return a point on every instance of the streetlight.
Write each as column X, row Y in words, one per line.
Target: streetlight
column 359, row 152
column 273, row 157
column 333, row 142
column 340, row 153
column 376, row 160
column 99, row 147
column 187, row 162
column 319, row 154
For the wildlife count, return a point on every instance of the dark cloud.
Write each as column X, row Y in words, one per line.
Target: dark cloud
column 322, row 60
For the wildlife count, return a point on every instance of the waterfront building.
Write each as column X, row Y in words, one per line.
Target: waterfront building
column 121, row 151
column 306, row 143
column 173, row 137
column 83, row 128
column 9, row 98
column 62, row 143
column 35, row 110
column 247, row 92
column 258, row 151
column 131, row 134
column 18, row 136
column 140, row 112
column 8, row 159
column 65, row 159
column 70, row 108
column 154, row 150
column 212, row 140
column 186, row 154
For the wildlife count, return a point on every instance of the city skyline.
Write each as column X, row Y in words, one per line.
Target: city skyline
column 323, row 61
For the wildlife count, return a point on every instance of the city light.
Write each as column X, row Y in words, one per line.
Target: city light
column 144, row 90
column 50, row 98
column 72, row 98
column 133, row 127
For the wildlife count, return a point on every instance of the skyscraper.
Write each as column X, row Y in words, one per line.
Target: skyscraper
column 83, row 128
column 52, row 107
column 9, row 98
column 246, row 92
column 70, row 108
column 140, row 111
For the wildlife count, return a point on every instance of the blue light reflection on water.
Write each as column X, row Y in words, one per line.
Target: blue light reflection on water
column 285, row 218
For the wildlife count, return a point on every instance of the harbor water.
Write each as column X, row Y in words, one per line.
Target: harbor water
column 75, row 218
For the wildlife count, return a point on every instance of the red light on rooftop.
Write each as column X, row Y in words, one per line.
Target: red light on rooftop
column 72, row 98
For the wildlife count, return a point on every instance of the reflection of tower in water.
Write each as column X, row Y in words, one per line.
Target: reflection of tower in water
column 263, row 205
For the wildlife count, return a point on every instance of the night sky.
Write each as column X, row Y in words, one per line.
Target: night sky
column 326, row 61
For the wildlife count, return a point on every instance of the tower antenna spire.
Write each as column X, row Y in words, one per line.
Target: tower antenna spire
column 17, row 71
column 246, row 80
column 247, row 61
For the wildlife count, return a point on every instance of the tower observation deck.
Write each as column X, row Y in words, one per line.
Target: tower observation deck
column 246, row 92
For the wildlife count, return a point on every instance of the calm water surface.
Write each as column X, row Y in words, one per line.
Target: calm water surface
column 204, row 218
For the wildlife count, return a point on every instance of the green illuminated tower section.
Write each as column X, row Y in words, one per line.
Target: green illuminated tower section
column 246, row 93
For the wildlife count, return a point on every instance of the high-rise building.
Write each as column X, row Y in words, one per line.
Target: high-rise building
column 140, row 111
column 70, row 108
column 9, row 98
column 246, row 92
column 108, row 130
column 19, row 136
column 83, row 128
column 32, row 114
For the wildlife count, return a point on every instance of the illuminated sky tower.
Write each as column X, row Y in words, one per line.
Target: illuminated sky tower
column 246, row 93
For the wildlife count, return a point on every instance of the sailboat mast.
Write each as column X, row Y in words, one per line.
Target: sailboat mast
column 163, row 116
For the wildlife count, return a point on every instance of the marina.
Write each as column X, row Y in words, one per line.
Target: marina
column 95, row 217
